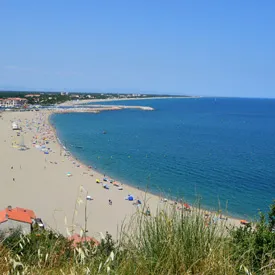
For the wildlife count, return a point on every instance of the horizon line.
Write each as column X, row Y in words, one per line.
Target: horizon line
column 131, row 92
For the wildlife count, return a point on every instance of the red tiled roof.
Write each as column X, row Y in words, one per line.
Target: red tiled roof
column 17, row 214
column 32, row 95
column 28, row 211
column 17, row 98
column 3, row 217
column 13, row 98
column 77, row 239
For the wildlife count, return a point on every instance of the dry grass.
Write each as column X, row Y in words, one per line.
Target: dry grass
column 171, row 242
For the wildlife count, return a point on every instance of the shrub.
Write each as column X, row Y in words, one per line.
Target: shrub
column 254, row 246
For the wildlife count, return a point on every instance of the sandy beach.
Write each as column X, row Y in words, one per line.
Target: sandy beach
column 38, row 179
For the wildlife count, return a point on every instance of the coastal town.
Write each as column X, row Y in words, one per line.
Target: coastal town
column 13, row 99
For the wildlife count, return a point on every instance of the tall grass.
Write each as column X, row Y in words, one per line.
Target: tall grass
column 171, row 241
column 176, row 242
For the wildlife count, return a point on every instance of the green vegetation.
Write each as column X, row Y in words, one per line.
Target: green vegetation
column 255, row 247
column 172, row 242
column 50, row 98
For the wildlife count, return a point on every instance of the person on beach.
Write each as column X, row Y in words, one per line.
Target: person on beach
column 110, row 202
column 148, row 213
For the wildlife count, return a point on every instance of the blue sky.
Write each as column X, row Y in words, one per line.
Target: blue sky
column 221, row 48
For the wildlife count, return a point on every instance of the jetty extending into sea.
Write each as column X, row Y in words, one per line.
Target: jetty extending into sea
column 100, row 108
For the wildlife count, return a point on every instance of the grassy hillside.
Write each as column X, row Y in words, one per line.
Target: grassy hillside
column 172, row 242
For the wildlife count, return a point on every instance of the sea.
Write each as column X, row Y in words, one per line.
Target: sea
column 216, row 152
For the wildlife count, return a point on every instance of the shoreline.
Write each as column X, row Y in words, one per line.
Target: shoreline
column 43, row 185
column 149, row 193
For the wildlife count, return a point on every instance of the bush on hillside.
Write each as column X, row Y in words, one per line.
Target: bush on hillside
column 171, row 242
column 254, row 246
column 45, row 248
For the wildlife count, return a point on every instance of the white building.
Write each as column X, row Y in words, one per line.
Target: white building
column 12, row 102
column 13, row 218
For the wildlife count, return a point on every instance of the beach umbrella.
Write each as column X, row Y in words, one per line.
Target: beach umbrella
column 186, row 205
column 130, row 198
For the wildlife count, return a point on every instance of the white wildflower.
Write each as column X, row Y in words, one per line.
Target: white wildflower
column 108, row 259
column 99, row 268
column 68, row 232
column 79, row 201
column 112, row 256
column 247, row 272
column 102, row 236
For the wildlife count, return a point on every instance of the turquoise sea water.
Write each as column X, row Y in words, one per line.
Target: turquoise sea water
column 221, row 150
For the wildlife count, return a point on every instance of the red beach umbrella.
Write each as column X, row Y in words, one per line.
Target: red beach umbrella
column 186, row 205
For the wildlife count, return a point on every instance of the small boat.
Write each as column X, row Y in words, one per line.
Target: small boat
column 104, row 132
